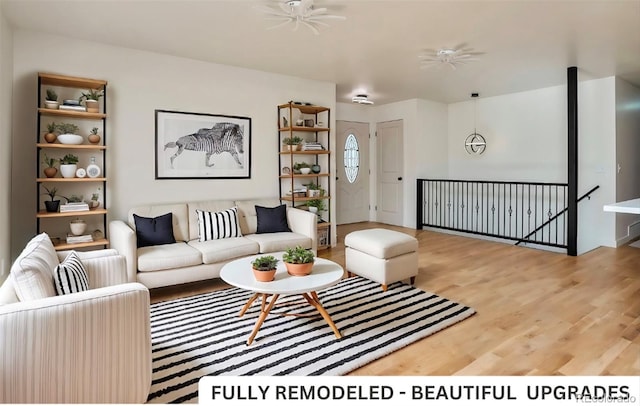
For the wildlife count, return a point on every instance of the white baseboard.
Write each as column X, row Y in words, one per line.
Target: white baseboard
column 633, row 232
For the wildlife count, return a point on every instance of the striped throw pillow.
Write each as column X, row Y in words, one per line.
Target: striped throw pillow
column 218, row 225
column 70, row 276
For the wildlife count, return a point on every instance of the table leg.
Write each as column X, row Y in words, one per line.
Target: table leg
column 312, row 298
column 246, row 306
column 264, row 312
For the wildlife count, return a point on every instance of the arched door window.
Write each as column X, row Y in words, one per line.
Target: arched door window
column 351, row 158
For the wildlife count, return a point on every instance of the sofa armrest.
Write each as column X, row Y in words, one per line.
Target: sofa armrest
column 305, row 223
column 123, row 239
column 106, row 271
column 87, row 347
column 87, row 254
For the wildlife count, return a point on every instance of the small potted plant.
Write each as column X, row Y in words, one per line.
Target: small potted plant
column 50, row 169
column 264, row 268
column 68, row 133
column 91, row 98
column 51, row 135
column 68, row 166
column 51, row 101
column 302, row 167
column 52, row 205
column 314, row 190
column 292, row 143
column 94, row 138
column 316, row 205
column 298, row 261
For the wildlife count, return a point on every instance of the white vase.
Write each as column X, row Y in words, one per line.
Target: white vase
column 313, row 209
column 68, row 171
column 78, row 227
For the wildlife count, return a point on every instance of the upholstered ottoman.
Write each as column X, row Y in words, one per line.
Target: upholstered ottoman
column 382, row 255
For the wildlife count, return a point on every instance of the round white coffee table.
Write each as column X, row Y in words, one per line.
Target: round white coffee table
column 325, row 273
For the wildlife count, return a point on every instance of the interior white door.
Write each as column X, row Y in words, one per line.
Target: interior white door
column 352, row 172
column 390, row 172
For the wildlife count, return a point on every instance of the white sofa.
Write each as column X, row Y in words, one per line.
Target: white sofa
column 190, row 260
column 86, row 347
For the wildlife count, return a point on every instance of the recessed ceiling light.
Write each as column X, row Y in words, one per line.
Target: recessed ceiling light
column 361, row 99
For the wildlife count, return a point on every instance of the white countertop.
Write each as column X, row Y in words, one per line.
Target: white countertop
column 628, row 206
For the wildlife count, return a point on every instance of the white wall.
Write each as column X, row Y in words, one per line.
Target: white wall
column 138, row 83
column 6, row 69
column 596, row 162
column 627, row 155
column 526, row 135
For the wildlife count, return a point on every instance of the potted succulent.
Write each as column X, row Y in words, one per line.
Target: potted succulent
column 292, row 143
column 51, row 135
column 68, row 166
column 94, row 138
column 68, row 133
column 52, row 205
column 298, row 261
column 50, row 169
column 51, row 101
column 302, row 167
column 91, row 98
column 264, row 268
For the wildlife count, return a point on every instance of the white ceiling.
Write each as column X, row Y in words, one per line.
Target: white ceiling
column 525, row 44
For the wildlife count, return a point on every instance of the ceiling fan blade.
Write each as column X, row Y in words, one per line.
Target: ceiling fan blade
column 284, row 22
column 328, row 17
column 311, row 27
column 269, row 10
column 314, row 21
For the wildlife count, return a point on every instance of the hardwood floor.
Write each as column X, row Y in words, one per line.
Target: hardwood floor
column 538, row 312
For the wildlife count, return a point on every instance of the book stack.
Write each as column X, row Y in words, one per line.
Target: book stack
column 75, row 206
column 72, row 104
column 312, row 146
column 75, row 239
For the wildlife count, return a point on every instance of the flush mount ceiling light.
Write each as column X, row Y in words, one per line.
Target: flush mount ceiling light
column 299, row 12
column 453, row 57
column 361, row 99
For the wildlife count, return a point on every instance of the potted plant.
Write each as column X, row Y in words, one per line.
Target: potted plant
column 51, row 101
column 292, row 143
column 91, row 98
column 264, row 268
column 68, row 133
column 50, row 136
column 301, row 167
column 50, row 169
column 68, row 166
column 94, row 138
column 52, row 205
column 316, row 205
column 298, row 261
column 314, row 190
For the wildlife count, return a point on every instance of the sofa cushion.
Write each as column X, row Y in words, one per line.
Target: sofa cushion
column 247, row 213
column 168, row 256
column 154, row 230
column 206, row 205
column 180, row 220
column 32, row 271
column 214, row 251
column 272, row 219
column 218, row 225
column 273, row 242
column 70, row 275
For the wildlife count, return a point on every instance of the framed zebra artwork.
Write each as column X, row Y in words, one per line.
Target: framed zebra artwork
column 202, row 146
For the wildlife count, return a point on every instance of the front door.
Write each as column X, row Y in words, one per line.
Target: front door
column 352, row 172
column 390, row 172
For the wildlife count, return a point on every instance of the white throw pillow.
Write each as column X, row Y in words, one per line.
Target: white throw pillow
column 219, row 224
column 70, row 275
column 32, row 271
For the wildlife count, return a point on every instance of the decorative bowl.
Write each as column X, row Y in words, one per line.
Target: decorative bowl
column 78, row 227
column 305, row 171
column 74, row 139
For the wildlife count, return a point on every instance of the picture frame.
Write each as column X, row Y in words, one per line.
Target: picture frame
column 202, row 146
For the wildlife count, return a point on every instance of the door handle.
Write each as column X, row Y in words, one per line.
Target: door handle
column 400, row 178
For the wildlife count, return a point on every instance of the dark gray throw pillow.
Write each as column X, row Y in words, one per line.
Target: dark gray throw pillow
column 154, row 230
column 272, row 219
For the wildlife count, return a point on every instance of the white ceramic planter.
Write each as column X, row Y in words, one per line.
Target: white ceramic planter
column 68, row 171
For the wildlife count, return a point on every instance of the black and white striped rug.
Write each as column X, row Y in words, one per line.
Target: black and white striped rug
column 203, row 335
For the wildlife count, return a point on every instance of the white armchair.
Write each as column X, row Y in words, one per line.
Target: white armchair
column 87, row 347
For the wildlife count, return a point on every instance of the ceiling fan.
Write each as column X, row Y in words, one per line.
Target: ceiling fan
column 453, row 57
column 300, row 12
